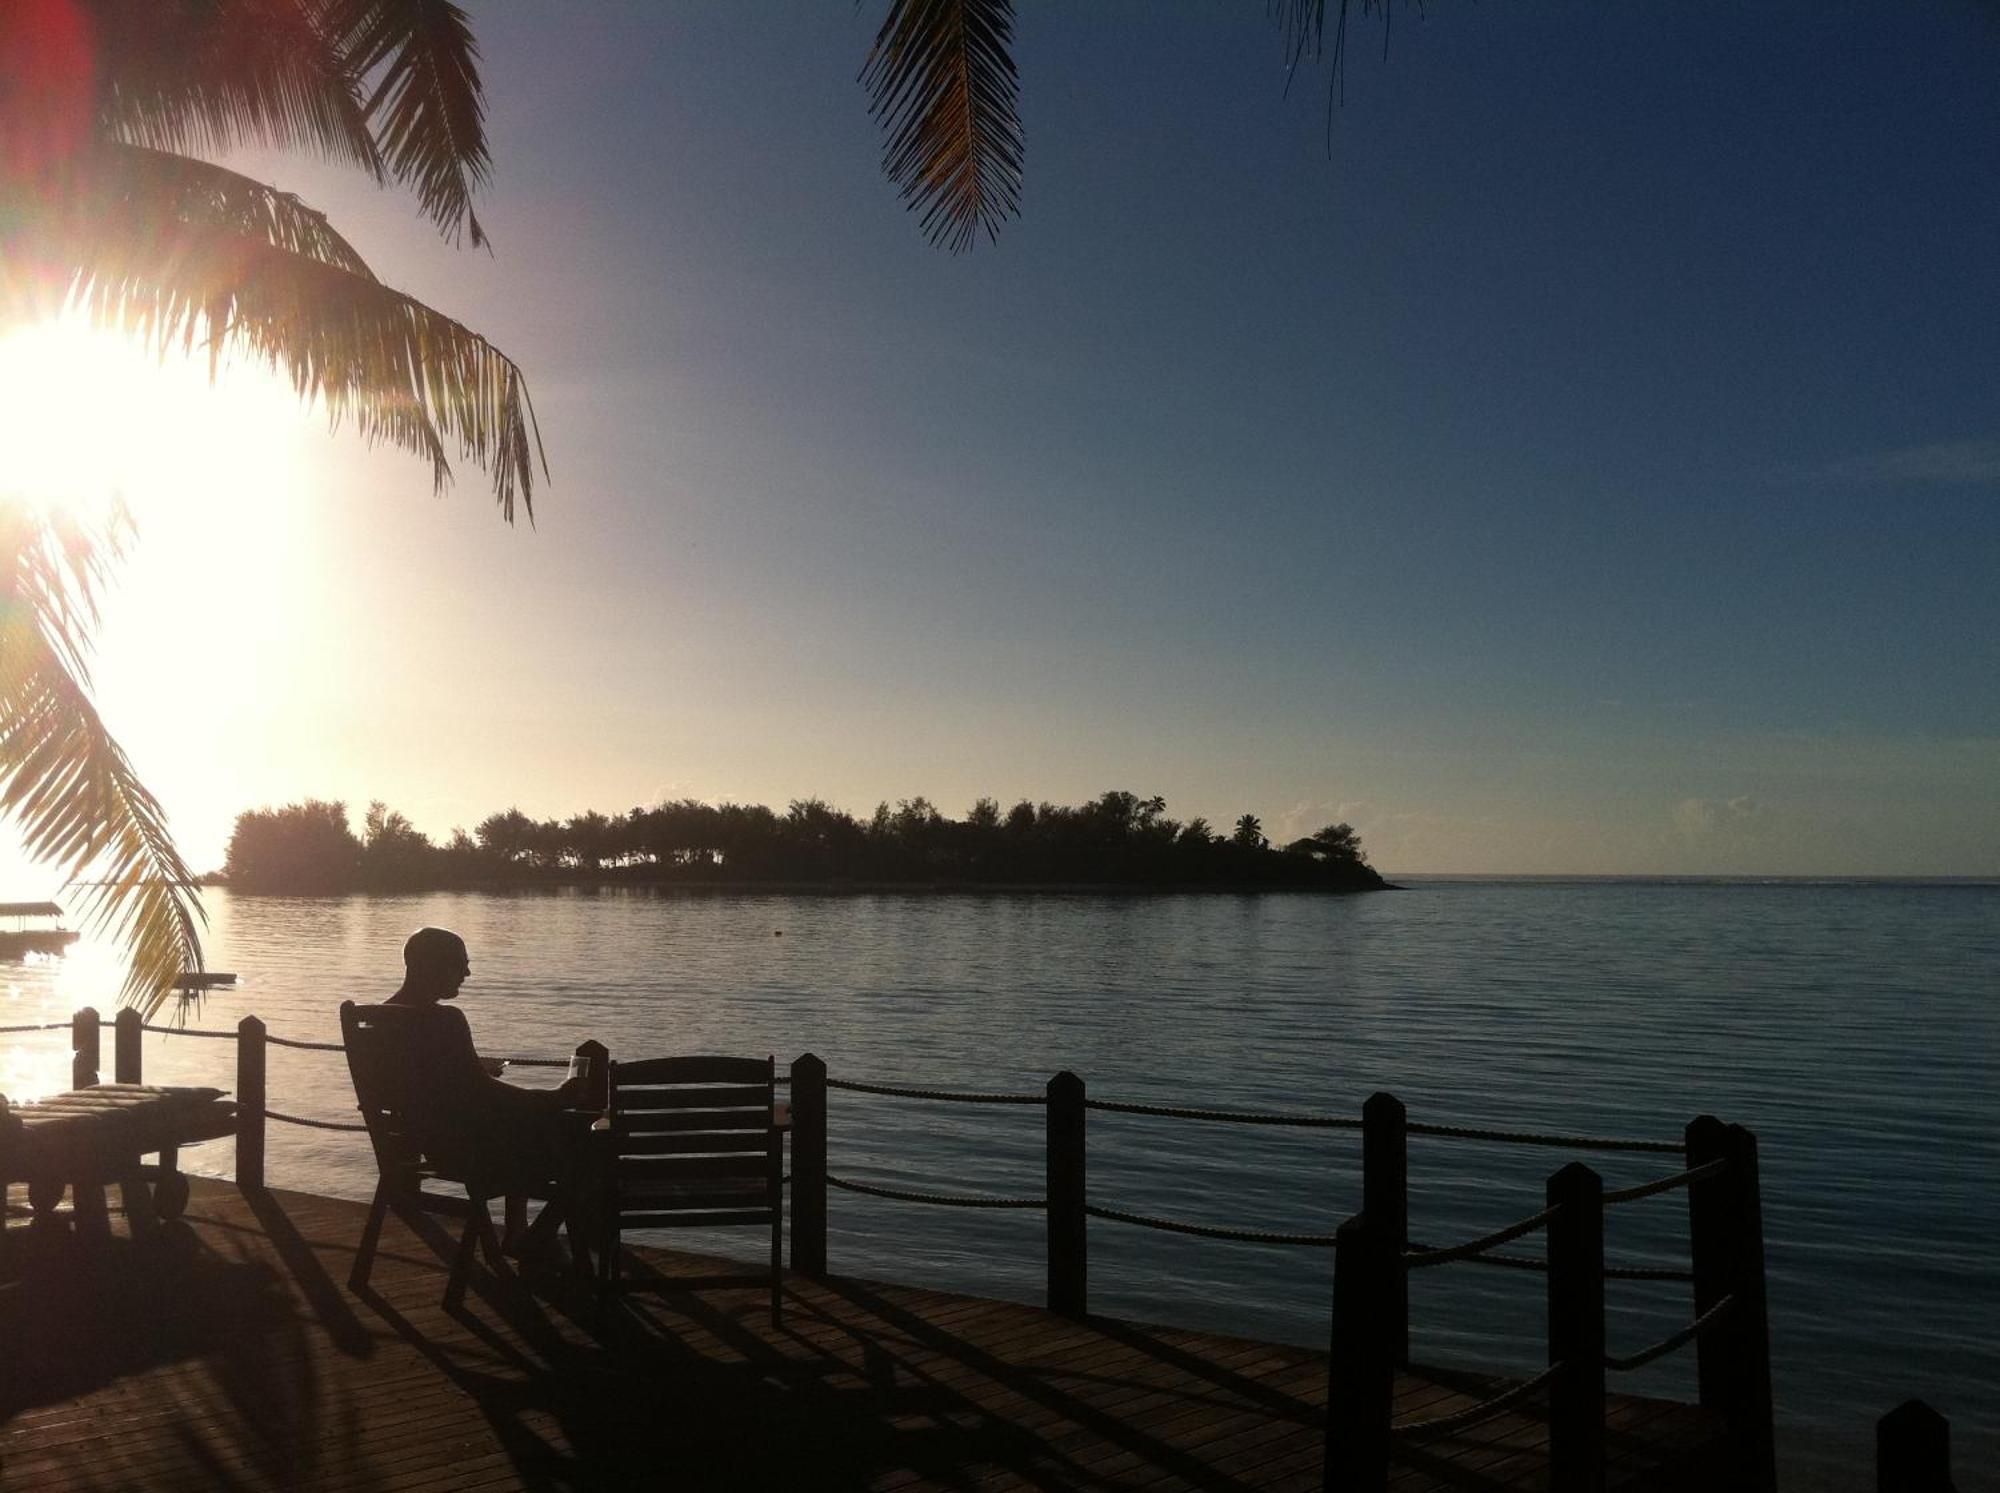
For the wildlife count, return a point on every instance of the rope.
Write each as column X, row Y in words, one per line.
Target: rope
column 1667, row 1184
column 1209, row 1231
column 1611, row 1272
column 306, row 1046
column 1418, row 1259
column 943, row 1200
column 40, row 1026
column 1670, row 1342
column 1437, row 1425
column 1530, row 1138
column 952, row 1096
column 1231, row 1116
column 272, row 1114
column 187, row 1031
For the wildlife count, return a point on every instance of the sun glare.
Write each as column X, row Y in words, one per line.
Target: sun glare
column 93, row 420
column 213, row 475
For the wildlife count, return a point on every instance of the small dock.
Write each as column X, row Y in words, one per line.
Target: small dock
column 231, row 1354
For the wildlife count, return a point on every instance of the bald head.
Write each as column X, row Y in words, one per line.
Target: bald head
column 435, row 964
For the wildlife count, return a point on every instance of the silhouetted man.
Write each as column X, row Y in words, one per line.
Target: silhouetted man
column 468, row 1122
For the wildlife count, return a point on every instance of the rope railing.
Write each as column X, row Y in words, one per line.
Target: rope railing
column 190, row 1031
column 1611, row 1272
column 1226, row 1116
column 285, row 1119
column 304, row 1046
column 1667, row 1184
column 937, row 1199
column 1209, row 1231
column 1419, row 1259
column 1671, row 1341
column 39, row 1026
column 1438, row 1425
column 1535, row 1138
column 947, row 1096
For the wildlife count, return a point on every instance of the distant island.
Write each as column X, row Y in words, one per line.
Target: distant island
column 1116, row 840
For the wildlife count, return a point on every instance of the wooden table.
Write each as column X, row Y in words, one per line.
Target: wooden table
column 86, row 1138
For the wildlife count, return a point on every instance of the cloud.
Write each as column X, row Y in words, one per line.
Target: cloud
column 1311, row 815
column 1956, row 463
column 1711, row 819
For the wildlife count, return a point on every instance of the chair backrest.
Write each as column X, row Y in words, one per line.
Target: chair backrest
column 692, row 1140
column 380, row 1063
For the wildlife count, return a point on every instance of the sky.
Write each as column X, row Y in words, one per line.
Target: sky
column 1581, row 457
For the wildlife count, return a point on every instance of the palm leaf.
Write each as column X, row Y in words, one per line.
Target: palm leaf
column 63, row 779
column 941, row 79
column 1303, row 26
column 424, row 103
column 400, row 371
column 137, row 184
column 207, row 76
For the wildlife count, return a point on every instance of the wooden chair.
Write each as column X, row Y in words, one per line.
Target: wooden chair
column 378, row 1061
column 693, row 1143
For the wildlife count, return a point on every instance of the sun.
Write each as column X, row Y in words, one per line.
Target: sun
column 197, row 623
column 93, row 421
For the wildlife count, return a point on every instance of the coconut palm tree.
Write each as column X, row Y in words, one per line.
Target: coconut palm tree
column 109, row 110
column 941, row 78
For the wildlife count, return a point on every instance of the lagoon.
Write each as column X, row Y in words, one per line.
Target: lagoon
column 1852, row 1025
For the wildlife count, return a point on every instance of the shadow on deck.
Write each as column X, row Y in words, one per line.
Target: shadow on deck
column 231, row 1355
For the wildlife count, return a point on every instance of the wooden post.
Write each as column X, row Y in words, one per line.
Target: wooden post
column 125, row 1054
column 85, row 1049
column 1726, row 1233
column 250, row 1103
column 1361, row 1365
column 1576, row 1330
column 1069, row 1231
column 809, row 1166
column 1706, row 1140
column 1748, row 1327
column 1913, row 1450
column 1385, row 1198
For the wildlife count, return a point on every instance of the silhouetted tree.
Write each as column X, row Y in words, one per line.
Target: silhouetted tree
column 394, row 854
column 304, row 847
column 1117, row 838
column 1337, row 842
column 509, row 835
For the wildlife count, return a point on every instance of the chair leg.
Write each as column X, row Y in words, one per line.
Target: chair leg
column 489, row 1241
column 371, row 1235
column 461, row 1264
column 777, row 1261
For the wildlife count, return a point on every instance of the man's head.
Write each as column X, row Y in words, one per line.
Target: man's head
column 435, row 964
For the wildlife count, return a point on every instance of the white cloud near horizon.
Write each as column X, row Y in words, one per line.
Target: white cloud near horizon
column 1954, row 463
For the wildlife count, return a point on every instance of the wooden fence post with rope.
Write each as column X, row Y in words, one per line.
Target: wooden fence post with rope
column 1385, row 1199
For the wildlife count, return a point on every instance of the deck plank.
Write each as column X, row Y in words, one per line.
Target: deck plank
column 228, row 1352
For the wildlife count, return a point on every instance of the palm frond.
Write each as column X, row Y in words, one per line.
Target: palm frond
column 64, row 780
column 400, row 371
column 139, row 184
column 1302, row 24
column 207, row 76
column 421, row 66
column 942, row 81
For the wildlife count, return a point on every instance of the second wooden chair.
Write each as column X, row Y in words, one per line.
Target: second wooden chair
column 693, row 1143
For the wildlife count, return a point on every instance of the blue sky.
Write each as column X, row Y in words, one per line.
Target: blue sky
column 1589, row 464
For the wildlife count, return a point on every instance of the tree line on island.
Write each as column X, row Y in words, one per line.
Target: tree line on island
column 1116, row 839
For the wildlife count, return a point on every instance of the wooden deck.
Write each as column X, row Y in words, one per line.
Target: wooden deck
column 230, row 1354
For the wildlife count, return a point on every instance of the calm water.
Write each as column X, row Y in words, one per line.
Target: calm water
column 1853, row 1027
